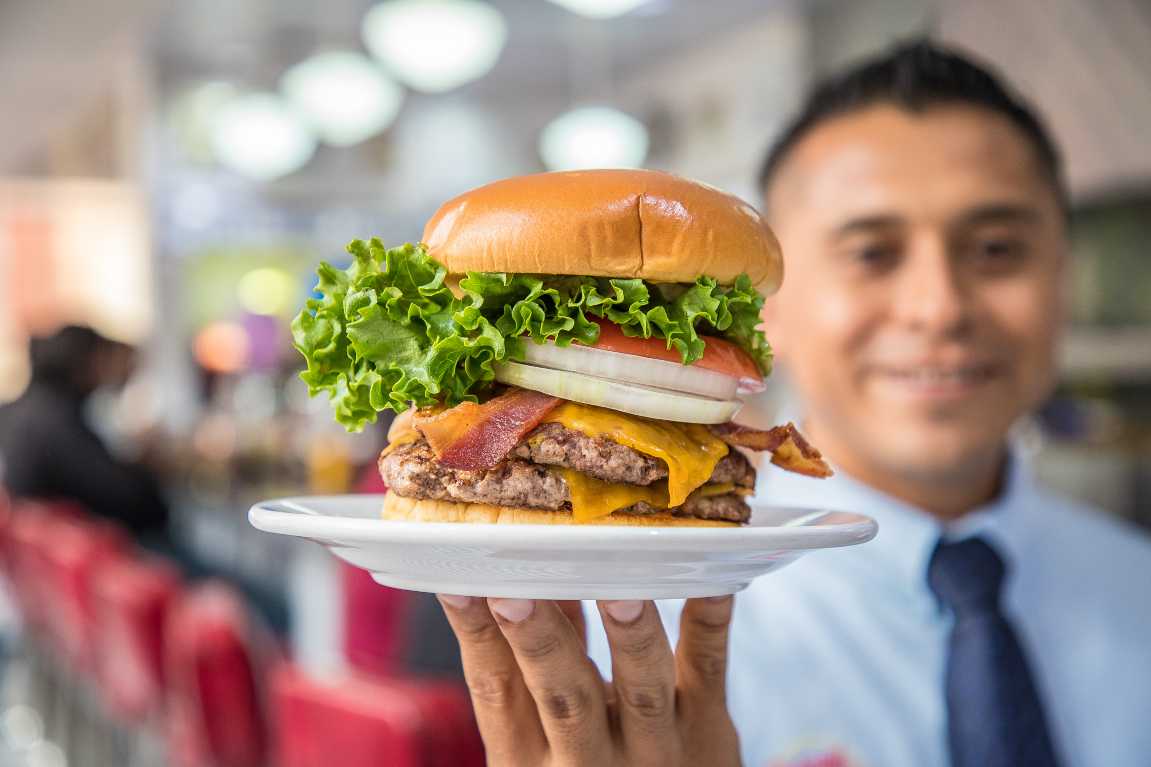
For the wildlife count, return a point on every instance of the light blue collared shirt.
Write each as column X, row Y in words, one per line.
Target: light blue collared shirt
column 838, row 659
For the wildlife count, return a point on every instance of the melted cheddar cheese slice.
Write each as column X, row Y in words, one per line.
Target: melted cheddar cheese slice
column 689, row 450
column 402, row 437
column 592, row 498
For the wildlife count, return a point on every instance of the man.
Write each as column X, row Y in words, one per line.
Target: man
column 50, row 451
column 921, row 209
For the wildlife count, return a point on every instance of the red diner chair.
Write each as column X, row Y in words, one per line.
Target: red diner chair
column 25, row 531
column 132, row 598
column 31, row 535
column 216, row 656
column 77, row 550
column 5, row 525
column 58, row 551
column 369, row 721
column 6, row 586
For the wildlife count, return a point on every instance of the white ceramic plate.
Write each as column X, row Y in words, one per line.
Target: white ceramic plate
column 559, row 561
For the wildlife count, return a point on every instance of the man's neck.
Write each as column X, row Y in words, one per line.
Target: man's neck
column 946, row 495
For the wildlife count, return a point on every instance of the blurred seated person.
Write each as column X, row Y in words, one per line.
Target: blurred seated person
column 50, row 450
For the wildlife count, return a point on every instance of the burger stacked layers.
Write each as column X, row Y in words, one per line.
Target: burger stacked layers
column 564, row 347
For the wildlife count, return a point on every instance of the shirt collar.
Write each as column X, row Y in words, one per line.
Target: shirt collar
column 907, row 536
column 1000, row 520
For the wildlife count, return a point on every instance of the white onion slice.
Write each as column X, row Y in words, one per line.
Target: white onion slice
column 618, row 366
column 752, row 385
column 629, row 398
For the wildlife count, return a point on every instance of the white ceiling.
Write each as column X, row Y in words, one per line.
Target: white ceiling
column 1088, row 66
column 57, row 58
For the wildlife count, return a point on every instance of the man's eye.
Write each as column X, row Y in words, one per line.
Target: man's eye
column 875, row 256
column 1000, row 254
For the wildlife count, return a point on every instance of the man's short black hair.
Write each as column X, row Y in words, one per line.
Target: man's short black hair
column 64, row 356
column 916, row 75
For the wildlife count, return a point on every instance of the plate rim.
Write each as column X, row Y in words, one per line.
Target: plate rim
column 276, row 516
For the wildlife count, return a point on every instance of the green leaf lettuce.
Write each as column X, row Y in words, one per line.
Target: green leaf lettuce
column 387, row 332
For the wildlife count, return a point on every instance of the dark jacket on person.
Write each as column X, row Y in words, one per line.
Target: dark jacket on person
column 49, row 451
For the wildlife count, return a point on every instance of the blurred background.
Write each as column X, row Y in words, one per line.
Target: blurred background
column 172, row 172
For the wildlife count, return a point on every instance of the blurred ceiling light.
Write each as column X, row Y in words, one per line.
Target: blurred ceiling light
column 345, row 96
column 593, row 137
column 193, row 114
column 600, row 9
column 22, row 727
column 261, row 136
column 45, row 754
column 266, row 291
column 435, row 45
column 222, row 347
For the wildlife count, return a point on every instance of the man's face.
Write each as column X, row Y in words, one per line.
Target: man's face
column 922, row 296
column 113, row 364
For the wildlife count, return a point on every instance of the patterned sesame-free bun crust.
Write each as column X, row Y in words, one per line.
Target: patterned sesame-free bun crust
column 606, row 223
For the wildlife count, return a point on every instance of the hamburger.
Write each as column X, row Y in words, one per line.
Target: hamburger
column 561, row 348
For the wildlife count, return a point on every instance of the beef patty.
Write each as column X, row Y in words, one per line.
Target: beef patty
column 557, row 445
column 412, row 471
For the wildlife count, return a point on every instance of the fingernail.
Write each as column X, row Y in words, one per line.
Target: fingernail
column 624, row 611
column 512, row 610
column 453, row 600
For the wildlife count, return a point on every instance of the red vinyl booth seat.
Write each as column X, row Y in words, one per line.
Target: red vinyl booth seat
column 74, row 553
column 370, row 721
column 215, row 660
column 132, row 599
column 28, row 540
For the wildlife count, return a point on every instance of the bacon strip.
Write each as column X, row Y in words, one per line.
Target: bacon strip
column 471, row 437
column 789, row 450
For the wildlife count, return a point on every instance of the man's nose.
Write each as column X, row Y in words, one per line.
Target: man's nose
column 933, row 296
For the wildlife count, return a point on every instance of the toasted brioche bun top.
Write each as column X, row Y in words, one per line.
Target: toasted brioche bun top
column 401, row 509
column 606, row 223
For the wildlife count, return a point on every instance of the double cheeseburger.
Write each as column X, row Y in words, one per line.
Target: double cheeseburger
column 561, row 348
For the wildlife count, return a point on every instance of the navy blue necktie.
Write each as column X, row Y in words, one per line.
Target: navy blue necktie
column 994, row 714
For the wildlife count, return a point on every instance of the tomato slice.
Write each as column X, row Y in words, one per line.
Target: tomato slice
column 719, row 355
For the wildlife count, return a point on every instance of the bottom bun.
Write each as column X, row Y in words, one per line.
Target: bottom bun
column 401, row 509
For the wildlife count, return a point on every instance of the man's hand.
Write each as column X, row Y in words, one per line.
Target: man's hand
column 539, row 699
